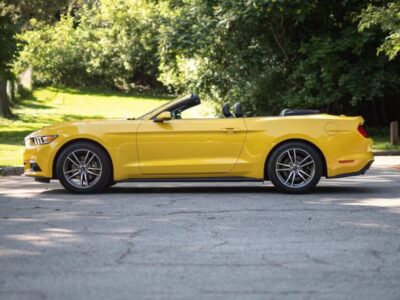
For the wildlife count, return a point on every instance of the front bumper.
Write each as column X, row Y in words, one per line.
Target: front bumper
column 38, row 161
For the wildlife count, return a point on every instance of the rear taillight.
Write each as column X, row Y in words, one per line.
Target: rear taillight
column 362, row 130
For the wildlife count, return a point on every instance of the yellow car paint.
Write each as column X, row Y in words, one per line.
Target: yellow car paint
column 204, row 148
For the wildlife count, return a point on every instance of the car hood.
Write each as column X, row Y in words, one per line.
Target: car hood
column 58, row 127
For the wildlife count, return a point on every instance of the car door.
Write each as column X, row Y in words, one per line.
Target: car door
column 190, row 146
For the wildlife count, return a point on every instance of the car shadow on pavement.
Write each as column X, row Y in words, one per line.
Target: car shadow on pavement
column 223, row 190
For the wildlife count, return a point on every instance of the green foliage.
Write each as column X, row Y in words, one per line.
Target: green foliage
column 272, row 54
column 21, row 11
column 14, row 15
column 53, row 51
column 388, row 19
column 110, row 43
column 269, row 54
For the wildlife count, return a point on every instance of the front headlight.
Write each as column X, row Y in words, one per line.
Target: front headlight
column 42, row 140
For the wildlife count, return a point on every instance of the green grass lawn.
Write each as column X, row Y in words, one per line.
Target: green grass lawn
column 381, row 138
column 383, row 143
column 50, row 105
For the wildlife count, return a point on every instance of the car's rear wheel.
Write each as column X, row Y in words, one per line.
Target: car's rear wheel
column 84, row 167
column 295, row 167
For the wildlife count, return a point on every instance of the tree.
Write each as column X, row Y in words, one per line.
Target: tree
column 108, row 43
column 274, row 54
column 14, row 15
column 7, row 52
column 387, row 18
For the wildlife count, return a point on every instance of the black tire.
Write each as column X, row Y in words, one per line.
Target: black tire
column 76, row 156
column 111, row 184
column 291, row 171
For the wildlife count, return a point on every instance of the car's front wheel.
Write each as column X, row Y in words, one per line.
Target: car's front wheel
column 84, row 167
column 295, row 167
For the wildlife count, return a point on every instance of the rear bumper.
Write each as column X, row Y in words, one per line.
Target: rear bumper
column 361, row 172
column 349, row 156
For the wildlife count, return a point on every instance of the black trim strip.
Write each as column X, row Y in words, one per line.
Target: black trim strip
column 205, row 179
column 42, row 179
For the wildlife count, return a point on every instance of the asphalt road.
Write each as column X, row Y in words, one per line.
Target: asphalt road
column 203, row 241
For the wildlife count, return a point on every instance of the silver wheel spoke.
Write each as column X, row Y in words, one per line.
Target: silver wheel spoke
column 95, row 169
column 304, row 159
column 281, row 170
column 301, row 171
column 91, row 159
column 294, row 176
column 290, row 158
column 284, row 165
column 306, row 164
column 70, row 171
column 86, row 157
column 294, row 155
column 290, row 175
column 93, row 173
column 77, row 159
column 73, row 175
column 302, row 177
column 72, row 161
column 86, row 179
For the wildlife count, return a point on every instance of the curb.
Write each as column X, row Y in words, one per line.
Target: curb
column 386, row 152
column 11, row 171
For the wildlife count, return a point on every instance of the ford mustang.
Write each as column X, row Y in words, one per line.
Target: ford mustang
column 292, row 150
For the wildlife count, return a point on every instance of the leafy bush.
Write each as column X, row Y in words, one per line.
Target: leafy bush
column 110, row 43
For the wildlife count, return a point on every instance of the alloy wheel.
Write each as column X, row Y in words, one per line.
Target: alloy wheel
column 295, row 168
column 82, row 168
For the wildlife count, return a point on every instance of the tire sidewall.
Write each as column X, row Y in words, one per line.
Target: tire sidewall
column 300, row 145
column 105, row 161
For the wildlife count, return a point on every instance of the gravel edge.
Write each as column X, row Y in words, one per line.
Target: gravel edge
column 11, row 171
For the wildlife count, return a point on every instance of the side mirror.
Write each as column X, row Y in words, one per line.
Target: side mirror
column 164, row 116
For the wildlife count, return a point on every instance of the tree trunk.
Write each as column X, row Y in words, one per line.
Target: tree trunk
column 5, row 110
column 11, row 92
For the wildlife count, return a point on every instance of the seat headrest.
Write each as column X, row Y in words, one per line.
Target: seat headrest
column 226, row 111
column 283, row 112
column 237, row 108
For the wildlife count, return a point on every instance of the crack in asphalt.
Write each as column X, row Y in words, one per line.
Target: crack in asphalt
column 29, row 294
column 265, row 210
column 130, row 246
column 378, row 255
column 255, row 292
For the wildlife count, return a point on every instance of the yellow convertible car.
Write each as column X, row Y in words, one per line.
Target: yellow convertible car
column 292, row 150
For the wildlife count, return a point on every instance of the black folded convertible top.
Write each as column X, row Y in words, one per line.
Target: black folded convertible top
column 298, row 112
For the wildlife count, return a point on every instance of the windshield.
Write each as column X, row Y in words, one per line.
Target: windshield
column 155, row 109
column 160, row 108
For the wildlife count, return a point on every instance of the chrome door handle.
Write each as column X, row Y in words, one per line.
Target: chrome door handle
column 230, row 130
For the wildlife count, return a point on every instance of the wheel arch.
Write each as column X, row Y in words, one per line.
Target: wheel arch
column 321, row 154
column 54, row 163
